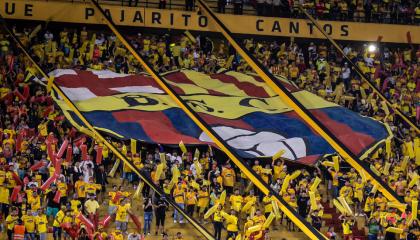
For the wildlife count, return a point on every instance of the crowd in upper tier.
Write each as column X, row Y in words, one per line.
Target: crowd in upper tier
column 39, row 191
column 376, row 11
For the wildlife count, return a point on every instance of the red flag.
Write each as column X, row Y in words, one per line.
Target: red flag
column 85, row 221
column 104, row 222
column 26, row 92
column 37, row 165
column 62, row 148
column 57, row 197
column 79, row 141
column 83, row 149
column 49, row 150
column 99, row 155
column 19, row 95
column 19, row 140
column 17, row 178
column 57, row 166
column 47, row 183
column 69, row 153
column 71, row 231
column 15, row 193
column 136, row 221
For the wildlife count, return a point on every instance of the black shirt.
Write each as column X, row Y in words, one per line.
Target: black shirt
column 161, row 206
column 50, row 198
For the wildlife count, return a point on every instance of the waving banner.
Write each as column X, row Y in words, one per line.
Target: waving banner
column 239, row 107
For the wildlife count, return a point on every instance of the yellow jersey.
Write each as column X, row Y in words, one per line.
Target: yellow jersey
column 122, row 212
column 41, row 223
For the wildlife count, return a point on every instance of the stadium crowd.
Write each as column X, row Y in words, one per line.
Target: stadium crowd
column 376, row 11
column 39, row 193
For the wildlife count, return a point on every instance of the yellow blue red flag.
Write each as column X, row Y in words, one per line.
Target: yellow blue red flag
column 239, row 107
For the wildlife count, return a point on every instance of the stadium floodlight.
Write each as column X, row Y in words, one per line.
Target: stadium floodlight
column 372, row 48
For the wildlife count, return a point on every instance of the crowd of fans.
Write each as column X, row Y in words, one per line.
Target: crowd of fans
column 376, row 11
column 36, row 193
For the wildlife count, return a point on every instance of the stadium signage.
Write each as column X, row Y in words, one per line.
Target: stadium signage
column 82, row 12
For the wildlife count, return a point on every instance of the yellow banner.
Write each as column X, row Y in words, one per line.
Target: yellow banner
column 175, row 19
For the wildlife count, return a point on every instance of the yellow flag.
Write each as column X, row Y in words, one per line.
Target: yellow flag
column 159, row 170
column 345, row 205
column 397, row 205
column 182, row 147
column 190, row 36
column 395, row 230
column 197, row 167
column 314, row 186
column 278, row 154
column 133, row 146
column 222, row 198
column 211, row 211
column 386, row 168
column 336, row 163
column 339, row 207
column 414, row 209
column 405, row 162
column 276, row 209
column 374, row 170
column 388, row 148
column 312, row 199
column 268, row 221
column 114, row 168
column 295, row 174
column 328, row 164
column 197, row 154
column 285, row 184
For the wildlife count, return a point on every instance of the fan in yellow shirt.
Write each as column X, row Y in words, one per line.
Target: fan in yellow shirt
column 41, row 222
column 203, row 201
column 347, row 192
column 236, row 201
column 91, row 205
column 117, row 235
column 4, row 195
column 347, row 224
column 268, row 207
column 191, row 200
column 34, row 200
column 80, row 188
column 122, row 213
column 229, row 178
column 179, row 194
column 231, row 224
column 12, row 219
column 369, row 204
column 29, row 222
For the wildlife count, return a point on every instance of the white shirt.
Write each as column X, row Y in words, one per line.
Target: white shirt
column 193, row 169
column 345, row 72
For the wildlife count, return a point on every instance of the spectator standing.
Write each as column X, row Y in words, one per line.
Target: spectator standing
column 260, row 7
column 268, row 8
column 221, row 6
column 148, row 215
column 160, row 212
column 238, row 7
column 276, row 8
column 189, row 5
column 162, row 4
